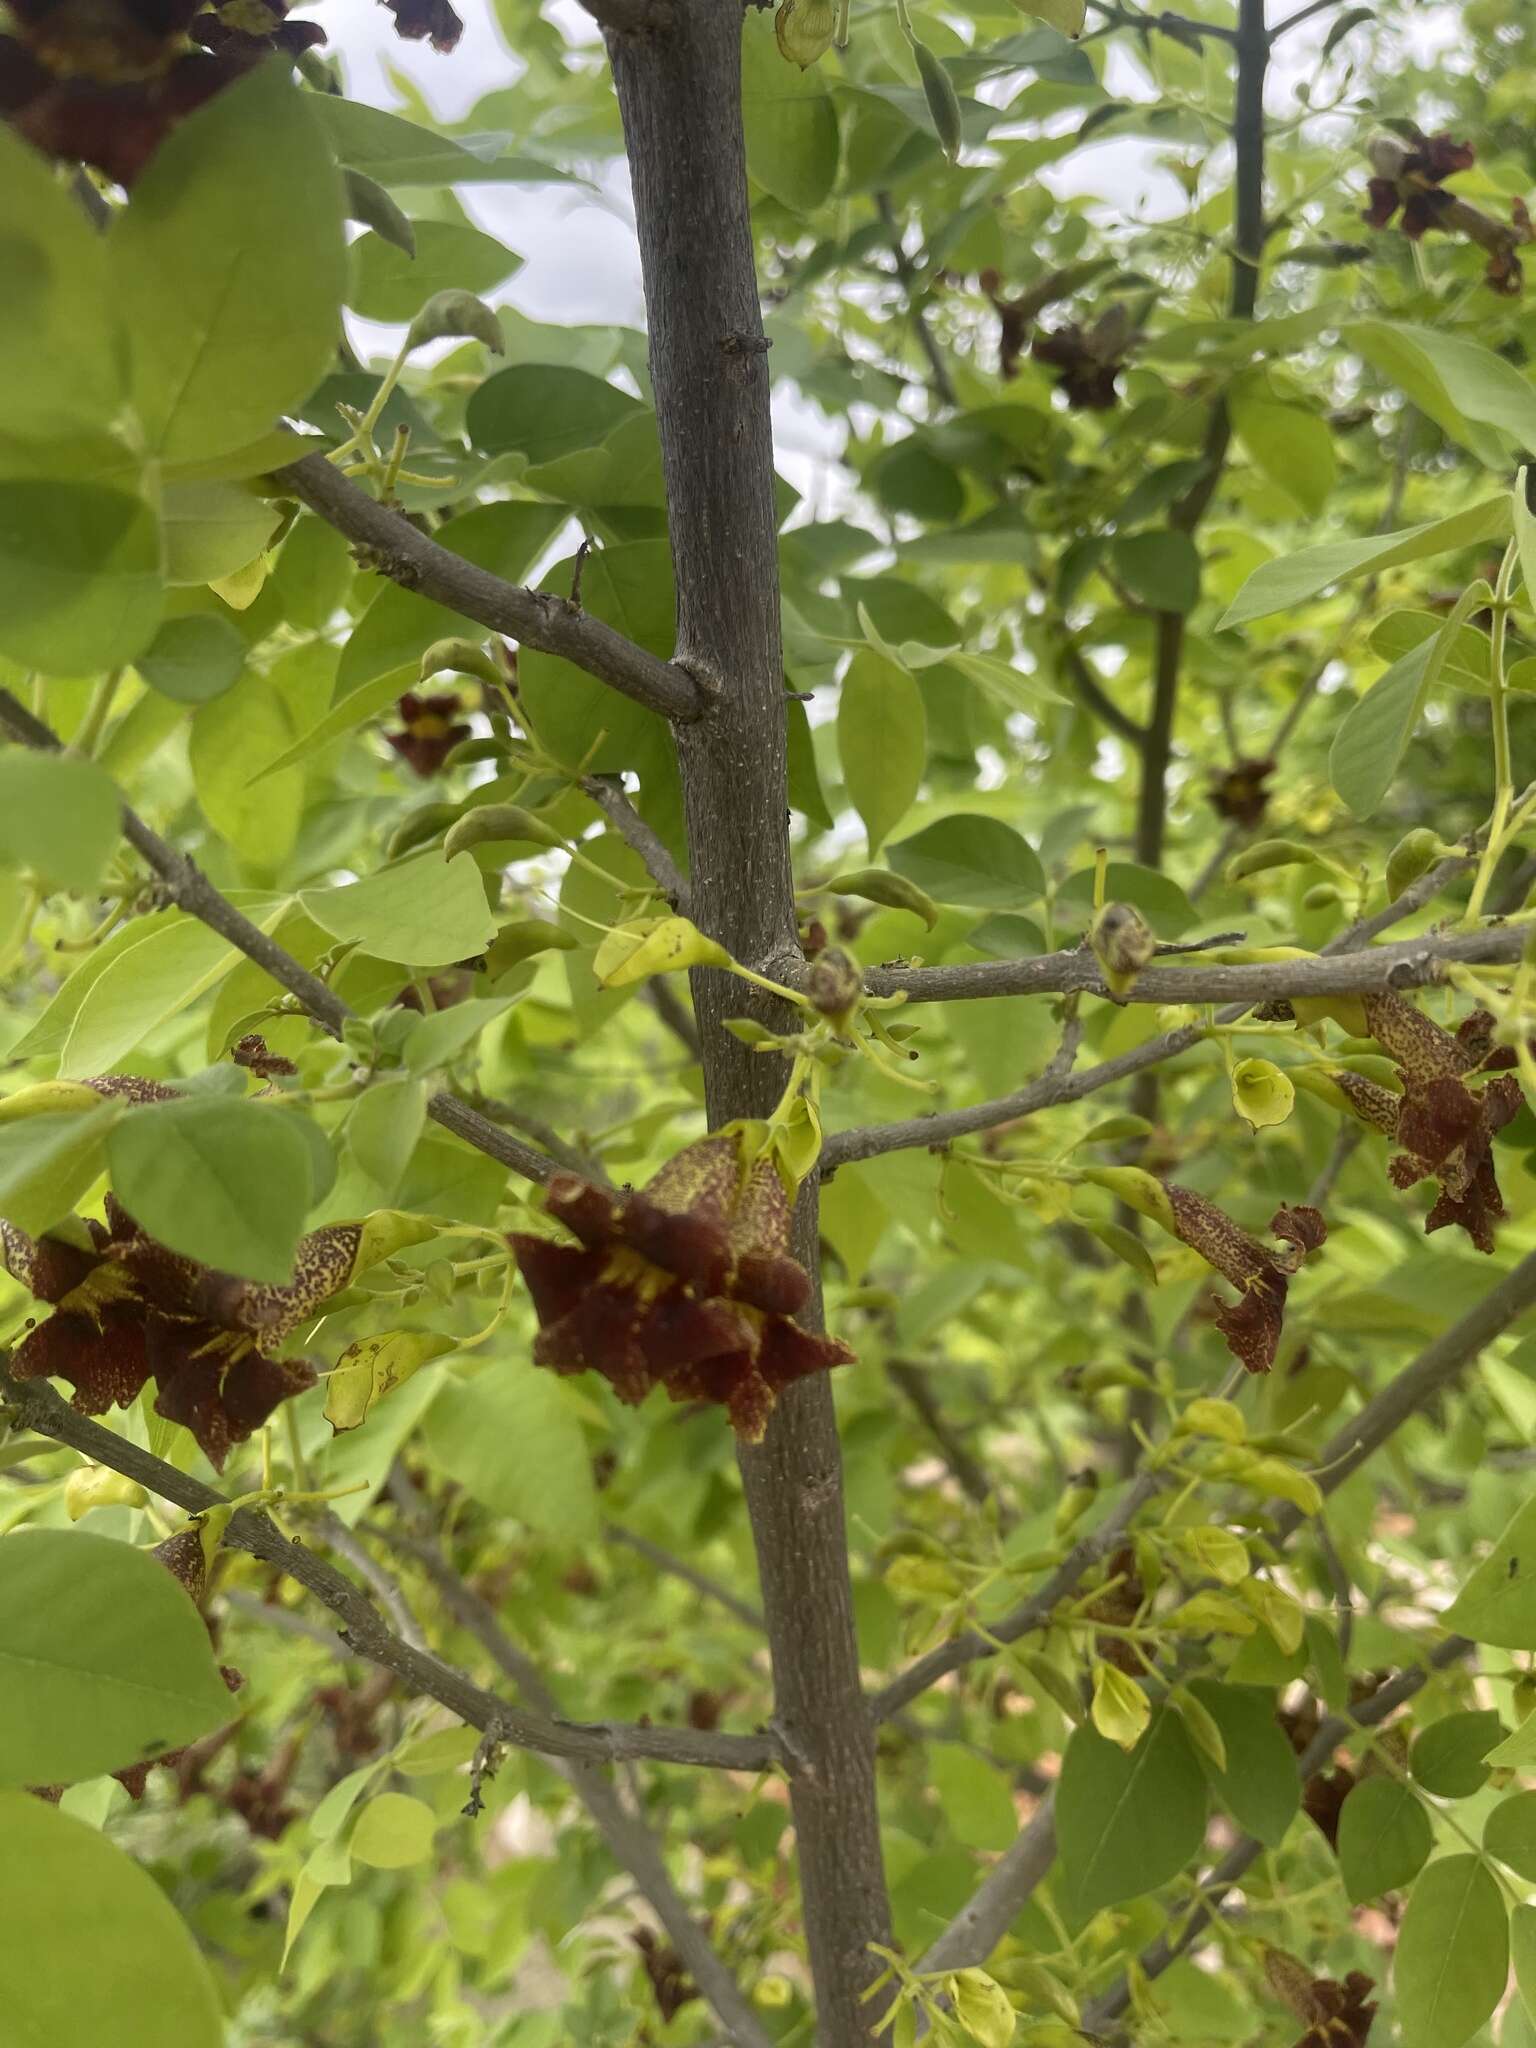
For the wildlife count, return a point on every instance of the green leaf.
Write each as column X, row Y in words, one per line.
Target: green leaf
column 393, row 1831
column 104, row 1660
column 974, row 1798
column 1288, row 580
column 400, row 152
column 1291, row 444
column 95, row 1952
column 1128, row 1822
column 1498, row 1603
column 1066, row 15
column 1259, row 1787
column 982, row 2008
column 511, row 1439
column 544, row 410
column 1447, row 1756
column 1522, row 1941
column 47, row 1163
column 235, row 739
column 59, row 375
column 388, row 284
column 373, row 1368
column 435, row 1040
column 137, row 988
column 79, row 576
column 1510, row 1834
column 209, row 530
column 1384, row 1838
column 1158, row 897
column 1162, row 569
column 194, row 658
column 1369, row 746
column 382, row 1130
column 424, row 912
column 1466, row 662
column 790, row 120
column 226, row 1183
column 228, row 269
column 972, row 860
column 1121, row 1710
column 882, row 741
column 1452, row 1959
column 59, row 816
column 1477, row 397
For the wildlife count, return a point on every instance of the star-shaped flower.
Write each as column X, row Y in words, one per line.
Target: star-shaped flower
column 430, row 731
column 688, row 1284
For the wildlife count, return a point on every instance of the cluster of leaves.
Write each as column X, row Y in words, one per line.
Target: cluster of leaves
column 1018, row 505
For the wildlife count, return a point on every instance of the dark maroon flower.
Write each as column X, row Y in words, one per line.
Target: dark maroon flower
column 688, row 1285
column 1445, row 1128
column 671, row 1986
column 1089, row 359
column 1415, row 187
column 1242, row 793
column 251, row 1052
column 426, row 20
column 430, row 732
column 1252, row 1325
column 1336, row 2015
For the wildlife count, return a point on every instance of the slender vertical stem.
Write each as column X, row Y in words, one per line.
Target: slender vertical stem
column 1498, row 700
column 679, row 91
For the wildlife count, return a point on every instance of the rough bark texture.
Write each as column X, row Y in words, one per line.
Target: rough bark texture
column 679, row 93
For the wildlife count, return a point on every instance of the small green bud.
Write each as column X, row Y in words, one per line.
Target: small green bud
column 1321, row 896
column 1123, row 943
column 1414, row 855
column 943, row 102
column 834, row 984
column 804, row 30
column 460, row 656
column 419, row 828
column 491, row 822
column 371, row 204
column 1082, row 1490
column 456, row 314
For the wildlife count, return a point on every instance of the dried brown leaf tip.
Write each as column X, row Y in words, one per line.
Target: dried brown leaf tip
column 430, row 729
column 1251, row 1325
column 687, row 1284
column 1336, row 2015
column 127, row 1310
column 1446, row 1129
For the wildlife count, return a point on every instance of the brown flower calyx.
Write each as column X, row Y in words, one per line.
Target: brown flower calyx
column 430, row 730
column 688, row 1284
column 1253, row 1324
column 1445, row 1128
column 252, row 1053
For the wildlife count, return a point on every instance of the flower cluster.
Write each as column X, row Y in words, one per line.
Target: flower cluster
column 430, row 731
column 102, row 82
column 688, row 1284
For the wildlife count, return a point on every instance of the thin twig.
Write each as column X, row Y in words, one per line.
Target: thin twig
column 609, row 796
column 39, row 1407
column 630, row 1842
column 917, row 1386
column 190, row 890
column 535, row 618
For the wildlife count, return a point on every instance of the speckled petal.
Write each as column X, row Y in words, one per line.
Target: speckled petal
column 556, row 1275
column 105, row 1363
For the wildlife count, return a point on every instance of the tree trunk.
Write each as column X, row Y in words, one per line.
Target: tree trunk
column 679, row 92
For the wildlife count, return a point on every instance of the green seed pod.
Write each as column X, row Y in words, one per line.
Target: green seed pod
column 452, row 314
column 1414, row 855
column 420, row 827
column 492, row 822
column 943, row 103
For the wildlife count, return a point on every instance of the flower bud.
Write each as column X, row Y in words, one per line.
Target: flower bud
column 834, row 984
column 804, row 30
column 1414, row 855
column 1123, row 943
column 97, row 1486
column 487, row 823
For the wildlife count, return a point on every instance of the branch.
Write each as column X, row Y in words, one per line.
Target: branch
column 906, row 271
column 1412, row 963
column 1167, row 1949
column 1434, row 1369
column 609, row 796
column 631, row 1842
column 1180, row 26
column 190, row 890
column 636, row 17
column 992, row 1909
column 1085, row 681
column 37, row 1406
column 536, row 618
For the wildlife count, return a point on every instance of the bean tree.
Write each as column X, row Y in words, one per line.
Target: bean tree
column 766, row 1243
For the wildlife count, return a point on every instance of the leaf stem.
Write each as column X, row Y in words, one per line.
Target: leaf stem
column 1503, row 775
